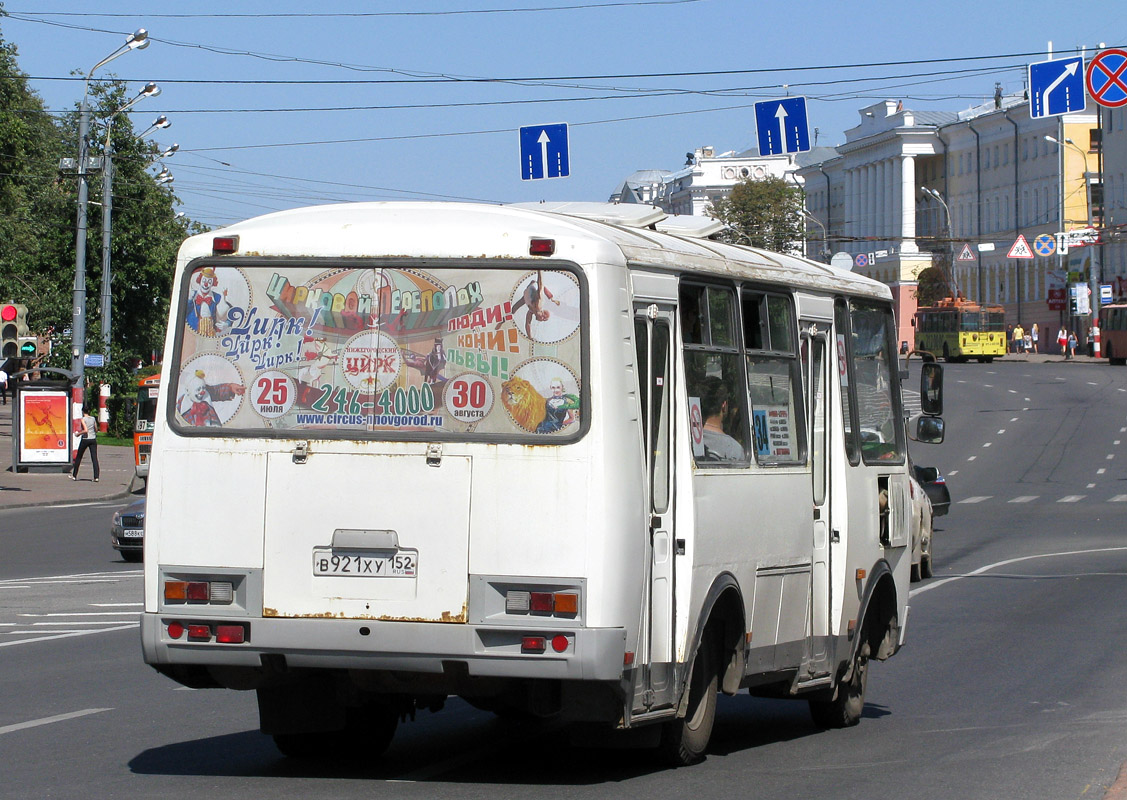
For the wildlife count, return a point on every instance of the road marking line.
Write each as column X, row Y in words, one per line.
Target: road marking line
column 1110, row 456
column 987, row 444
column 70, row 635
column 75, row 622
column 953, row 472
column 1007, row 562
column 1092, row 383
column 1014, row 419
column 1012, row 391
column 35, row 723
column 1116, row 442
column 1072, row 498
column 1101, row 471
column 972, row 458
column 49, row 578
column 976, row 499
column 117, row 605
column 1119, row 498
column 1091, row 486
column 1001, row 431
column 1027, row 498
column 83, row 613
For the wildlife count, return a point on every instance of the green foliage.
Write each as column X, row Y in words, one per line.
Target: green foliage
column 932, row 286
column 38, row 211
column 764, row 213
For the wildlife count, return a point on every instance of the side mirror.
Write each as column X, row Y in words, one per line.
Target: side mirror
column 931, row 388
column 927, row 474
column 929, row 430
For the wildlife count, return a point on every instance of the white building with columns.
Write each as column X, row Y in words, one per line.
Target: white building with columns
column 999, row 178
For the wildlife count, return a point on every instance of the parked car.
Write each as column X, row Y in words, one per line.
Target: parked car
column 127, row 533
column 921, row 528
column 935, row 485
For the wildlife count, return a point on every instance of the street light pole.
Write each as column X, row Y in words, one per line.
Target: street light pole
column 1094, row 271
column 951, row 277
column 135, row 41
column 150, row 90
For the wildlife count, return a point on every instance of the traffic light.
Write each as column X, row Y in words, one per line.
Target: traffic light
column 13, row 327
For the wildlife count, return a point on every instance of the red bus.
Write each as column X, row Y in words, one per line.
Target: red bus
column 1113, row 333
column 147, row 388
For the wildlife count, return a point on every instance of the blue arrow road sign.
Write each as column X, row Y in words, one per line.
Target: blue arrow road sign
column 544, row 152
column 1056, row 87
column 781, row 126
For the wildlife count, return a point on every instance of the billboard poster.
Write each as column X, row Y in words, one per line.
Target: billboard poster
column 399, row 350
column 44, row 427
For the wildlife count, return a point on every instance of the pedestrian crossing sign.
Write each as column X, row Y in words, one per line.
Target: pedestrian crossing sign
column 1020, row 248
column 966, row 254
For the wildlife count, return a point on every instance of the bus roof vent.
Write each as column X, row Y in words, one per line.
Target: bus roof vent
column 691, row 226
column 626, row 215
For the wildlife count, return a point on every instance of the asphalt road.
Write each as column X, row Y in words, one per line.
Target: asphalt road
column 1011, row 686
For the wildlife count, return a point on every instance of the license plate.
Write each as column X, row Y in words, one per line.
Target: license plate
column 132, row 533
column 345, row 564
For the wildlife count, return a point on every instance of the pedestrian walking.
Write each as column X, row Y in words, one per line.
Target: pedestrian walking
column 1019, row 338
column 89, row 441
column 1035, row 335
column 1062, row 341
column 1028, row 344
column 4, row 386
column 1071, row 345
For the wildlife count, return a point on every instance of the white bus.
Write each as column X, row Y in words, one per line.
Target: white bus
column 550, row 464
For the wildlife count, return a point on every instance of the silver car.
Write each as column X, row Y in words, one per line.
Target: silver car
column 127, row 533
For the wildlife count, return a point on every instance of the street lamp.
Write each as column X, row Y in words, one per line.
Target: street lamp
column 1094, row 276
column 951, row 277
column 150, row 90
column 137, row 40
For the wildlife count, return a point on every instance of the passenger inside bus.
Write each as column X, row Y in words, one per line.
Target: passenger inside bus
column 715, row 403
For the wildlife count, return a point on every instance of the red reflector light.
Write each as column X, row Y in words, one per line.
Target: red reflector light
column 533, row 644
column 542, row 247
column 559, row 643
column 175, row 630
column 197, row 592
column 199, row 633
column 230, row 634
column 543, row 602
column 224, row 245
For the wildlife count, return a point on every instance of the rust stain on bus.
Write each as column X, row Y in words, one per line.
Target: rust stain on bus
column 447, row 616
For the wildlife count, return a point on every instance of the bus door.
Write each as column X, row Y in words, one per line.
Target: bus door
column 817, row 365
column 653, row 336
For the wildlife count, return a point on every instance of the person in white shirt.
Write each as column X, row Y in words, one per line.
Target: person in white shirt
column 89, row 441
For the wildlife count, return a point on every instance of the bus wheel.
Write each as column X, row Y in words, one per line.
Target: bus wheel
column 844, row 710
column 368, row 733
column 684, row 740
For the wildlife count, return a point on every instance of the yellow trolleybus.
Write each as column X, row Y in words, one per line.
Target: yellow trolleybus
column 960, row 329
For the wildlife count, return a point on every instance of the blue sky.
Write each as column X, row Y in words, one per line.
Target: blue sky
column 245, row 150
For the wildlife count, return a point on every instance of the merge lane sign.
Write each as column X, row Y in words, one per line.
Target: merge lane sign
column 544, row 152
column 1056, row 87
column 781, row 126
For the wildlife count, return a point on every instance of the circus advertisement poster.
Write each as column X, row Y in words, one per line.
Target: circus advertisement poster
column 475, row 350
column 44, row 430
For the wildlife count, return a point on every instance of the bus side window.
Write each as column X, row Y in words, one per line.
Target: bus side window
column 714, row 378
column 773, row 382
column 841, row 322
column 874, row 362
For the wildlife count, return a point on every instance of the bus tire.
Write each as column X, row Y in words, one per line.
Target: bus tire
column 685, row 739
column 844, row 709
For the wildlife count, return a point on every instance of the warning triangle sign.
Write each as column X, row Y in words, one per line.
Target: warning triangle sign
column 1020, row 248
column 966, row 254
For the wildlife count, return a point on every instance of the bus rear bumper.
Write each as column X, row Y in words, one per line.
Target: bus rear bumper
column 425, row 648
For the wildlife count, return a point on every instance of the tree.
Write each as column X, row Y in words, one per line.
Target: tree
column 932, row 286
column 765, row 213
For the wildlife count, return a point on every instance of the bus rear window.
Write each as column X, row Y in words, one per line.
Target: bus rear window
column 391, row 351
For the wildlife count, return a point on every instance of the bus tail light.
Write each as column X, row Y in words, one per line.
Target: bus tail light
column 230, row 634
column 560, row 604
column 533, row 644
column 224, row 245
column 211, row 592
column 199, row 633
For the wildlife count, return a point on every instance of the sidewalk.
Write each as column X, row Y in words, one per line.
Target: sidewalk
column 56, row 488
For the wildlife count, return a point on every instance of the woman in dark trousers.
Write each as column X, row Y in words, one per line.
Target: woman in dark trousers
column 89, row 441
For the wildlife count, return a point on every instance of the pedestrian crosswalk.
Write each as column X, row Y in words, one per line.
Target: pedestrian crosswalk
column 1036, row 498
column 43, row 609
